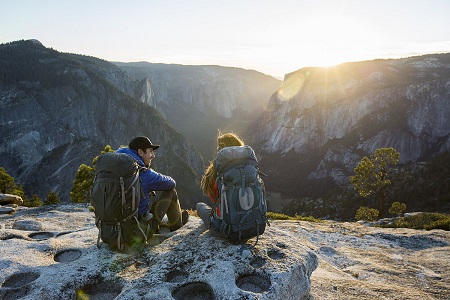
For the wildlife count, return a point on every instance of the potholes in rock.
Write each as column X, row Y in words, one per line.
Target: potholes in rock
column 327, row 251
column 258, row 262
column 17, row 285
column 194, row 291
column 275, row 254
column 67, row 255
column 176, row 276
column 254, row 283
column 9, row 236
column 99, row 291
column 40, row 236
column 20, row 279
column 63, row 233
column 13, row 294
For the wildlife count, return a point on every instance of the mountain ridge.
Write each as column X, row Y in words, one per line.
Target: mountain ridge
column 308, row 135
column 322, row 121
column 63, row 114
column 199, row 100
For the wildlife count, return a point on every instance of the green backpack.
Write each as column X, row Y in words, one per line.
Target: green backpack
column 242, row 202
column 115, row 196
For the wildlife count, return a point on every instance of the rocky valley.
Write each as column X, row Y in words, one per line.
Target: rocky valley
column 59, row 110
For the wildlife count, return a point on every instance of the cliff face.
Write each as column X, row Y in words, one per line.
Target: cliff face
column 217, row 90
column 60, row 110
column 198, row 100
column 327, row 119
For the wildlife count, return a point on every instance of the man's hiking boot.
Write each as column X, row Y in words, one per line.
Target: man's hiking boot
column 155, row 226
column 184, row 217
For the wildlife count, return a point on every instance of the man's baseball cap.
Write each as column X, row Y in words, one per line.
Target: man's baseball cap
column 142, row 142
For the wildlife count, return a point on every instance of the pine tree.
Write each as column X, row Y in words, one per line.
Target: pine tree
column 35, row 201
column 84, row 179
column 7, row 185
column 366, row 214
column 373, row 175
column 52, row 198
column 397, row 208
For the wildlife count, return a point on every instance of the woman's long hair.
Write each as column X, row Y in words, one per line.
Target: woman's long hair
column 209, row 177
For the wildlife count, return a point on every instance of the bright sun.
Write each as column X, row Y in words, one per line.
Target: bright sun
column 327, row 41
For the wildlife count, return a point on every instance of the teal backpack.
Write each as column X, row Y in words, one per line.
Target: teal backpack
column 242, row 202
column 115, row 196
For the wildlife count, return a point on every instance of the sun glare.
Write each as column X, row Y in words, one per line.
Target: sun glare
column 330, row 40
column 326, row 41
column 291, row 86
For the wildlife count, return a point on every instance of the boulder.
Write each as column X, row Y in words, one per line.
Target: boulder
column 6, row 210
column 10, row 199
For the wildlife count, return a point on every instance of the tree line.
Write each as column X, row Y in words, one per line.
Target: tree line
column 378, row 184
column 8, row 186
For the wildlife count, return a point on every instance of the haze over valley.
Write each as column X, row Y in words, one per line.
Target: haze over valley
column 309, row 131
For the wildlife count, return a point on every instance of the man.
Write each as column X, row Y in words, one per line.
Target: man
column 142, row 149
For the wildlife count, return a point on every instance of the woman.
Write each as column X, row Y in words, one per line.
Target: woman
column 208, row 183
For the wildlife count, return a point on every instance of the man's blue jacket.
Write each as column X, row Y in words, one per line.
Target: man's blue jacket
column 150, row 180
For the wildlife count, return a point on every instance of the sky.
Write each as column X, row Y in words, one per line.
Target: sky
column 274, row 37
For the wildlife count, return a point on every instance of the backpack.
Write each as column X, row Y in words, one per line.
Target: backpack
column 115, row 196
column 242, row 202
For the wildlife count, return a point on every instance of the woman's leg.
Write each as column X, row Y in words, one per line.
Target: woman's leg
column 204, row 212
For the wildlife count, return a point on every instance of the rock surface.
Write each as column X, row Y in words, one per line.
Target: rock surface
column 10, row 199
column 51, row 253
column 6, row 210
column 8, row 203
column 42, row 257
column 357, row 261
